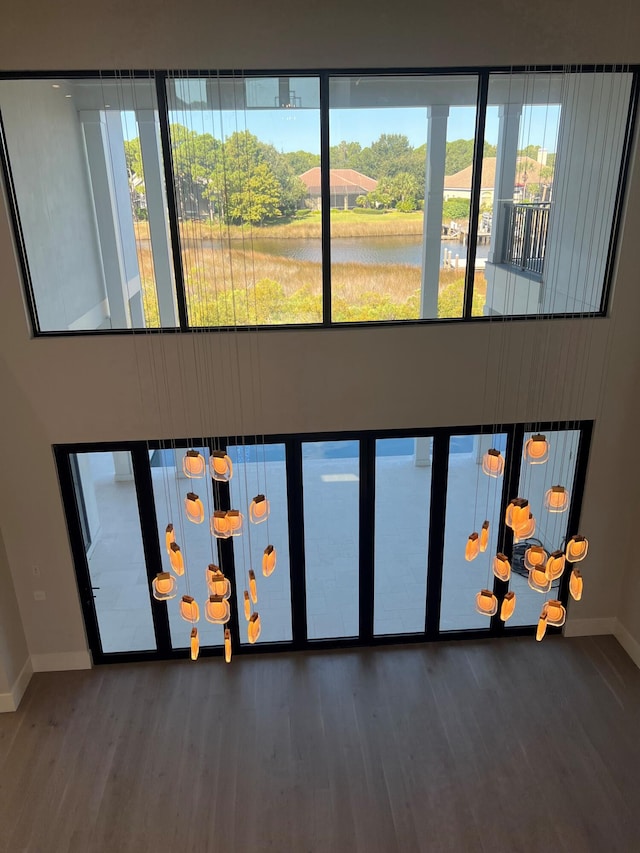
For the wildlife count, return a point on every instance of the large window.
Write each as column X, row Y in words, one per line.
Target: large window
column 225, row 200
column 364, row 540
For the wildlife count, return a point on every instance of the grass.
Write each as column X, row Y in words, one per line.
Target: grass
column 234, row 287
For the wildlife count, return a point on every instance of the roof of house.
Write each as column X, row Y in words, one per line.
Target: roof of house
column 524, row 166
column 341, row 181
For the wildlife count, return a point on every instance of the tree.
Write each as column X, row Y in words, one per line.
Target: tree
column 345, row 155
column 389, row 155
column 529, row 151
column 301, row 161
column 455, row 208
column 459, row 155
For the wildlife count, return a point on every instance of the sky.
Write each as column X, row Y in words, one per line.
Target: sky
column 294, row 130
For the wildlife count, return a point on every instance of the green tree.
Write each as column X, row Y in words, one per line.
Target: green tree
column 345, row 155
column 389, row 155
column 460, row 154
column 529, row 151
column 301, row 161
column 455, row 208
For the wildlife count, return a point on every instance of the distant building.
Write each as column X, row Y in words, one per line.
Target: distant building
column 527, row 172
column 345, row 187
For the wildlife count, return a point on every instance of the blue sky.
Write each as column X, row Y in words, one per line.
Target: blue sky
column 293, row 130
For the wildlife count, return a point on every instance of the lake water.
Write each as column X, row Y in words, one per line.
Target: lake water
column 360, row 250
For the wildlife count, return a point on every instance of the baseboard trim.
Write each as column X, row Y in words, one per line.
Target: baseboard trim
column 590, row 627
column 11, row 700
column 628, row 643
column 58, row 662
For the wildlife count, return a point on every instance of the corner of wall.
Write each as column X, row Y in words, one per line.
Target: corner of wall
column 11, row 700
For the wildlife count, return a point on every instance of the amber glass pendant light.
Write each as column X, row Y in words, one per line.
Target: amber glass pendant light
column 525, row 530
column 253, row 628
column 538, row 580
column 557, row 499
column 472, row 548
column 194, row 508
column 217, row 610
column 501, row 567
column 195, row 644
column 193, row 464
column 235, row 519
column 220, row 466
column 541, row 630
column 253, row 586
column 536, row 449
column 575, row 584
column 556, row 614
column 493, row 463
column 176, row 559
column 484, row 536
column 169, row 537
column 555, row 565
column 246, row 603
column 164, row 586
column 576, row 549
column 227, row 645
column 269, row 561
column 220, row 524
column 217, row 583
column 508, row 606
column 259, row 509
column 486, row 603
column 189, row 609
column 535, row 557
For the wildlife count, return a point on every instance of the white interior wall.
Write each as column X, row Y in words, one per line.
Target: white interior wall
column 87, row 389
column 56, row 207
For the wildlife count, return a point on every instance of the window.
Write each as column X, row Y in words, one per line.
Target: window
column 369, row 530
column 221, row 200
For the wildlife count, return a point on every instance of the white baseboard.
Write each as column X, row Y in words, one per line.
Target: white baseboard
column 590, row 627
column 61, row 661
column 11, row 700
column 628, row 643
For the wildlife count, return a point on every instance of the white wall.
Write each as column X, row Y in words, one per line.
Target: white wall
column 66, row 390
column 13, row 645
column 55, row 202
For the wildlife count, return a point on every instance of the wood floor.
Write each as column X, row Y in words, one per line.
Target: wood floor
column 505, row 745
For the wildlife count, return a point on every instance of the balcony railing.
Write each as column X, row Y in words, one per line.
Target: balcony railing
column 525, row 236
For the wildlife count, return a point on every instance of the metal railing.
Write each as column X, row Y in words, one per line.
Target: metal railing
column 525, row 236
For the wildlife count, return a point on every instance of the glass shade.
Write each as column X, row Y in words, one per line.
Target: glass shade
column 217, row 583
column 217, row 610
column 484, row 536
column 575, row 584
column 517, row 513
column 525, row 530
column 194, row 508
column 535, row 557
column 227, row 645
column 164, row 586
column 555, row 565
column 193, row 464
column 493, row 463
column 538, row 580
column 189, row 609
column 556, row 614
column 508, row 606
column 195, row 644
column 269, row 561
column 541, row 630
column 253, row 586
column 576, row 549
column 176, row 559
column 246, row 602
column 259, row 509
column 473, row 547
column 557, row 499
column 169, row 538
column 253, row 628
column 220, row 466
column 220, row 527
column 536, row 449
column 235, row 519
column 501, row 567
column 486, row 603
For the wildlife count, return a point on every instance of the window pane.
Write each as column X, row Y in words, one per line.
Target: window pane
column 389, row 261
column 330, row 475
column 85, row 159
column 559, row 142
column 246, row 158
column 108, row 509
column 551, row 528
column 261, row 469
column 472, row 498
column 403, row 497
column 198, row 546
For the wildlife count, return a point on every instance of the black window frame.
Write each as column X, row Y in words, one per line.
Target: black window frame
column 483, row 74
column 64, row 454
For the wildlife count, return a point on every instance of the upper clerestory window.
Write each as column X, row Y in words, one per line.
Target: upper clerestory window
column 224, row 200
